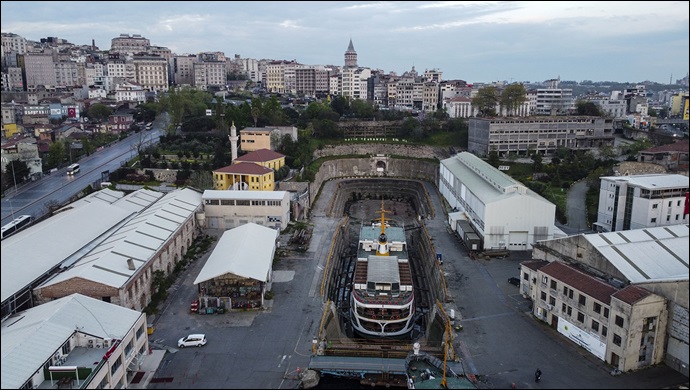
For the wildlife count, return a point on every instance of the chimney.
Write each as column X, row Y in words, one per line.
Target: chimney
column 130, row 264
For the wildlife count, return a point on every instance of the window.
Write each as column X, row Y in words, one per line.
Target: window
column 570, row 311
column 669, row 203
column 595, row 326
column 563, row 306
column 543, row 296
column 668, row 218
column 545, row 280
column 619, row 321
column 597, row 307
column 606, row 312
column 565, row 291
column 580, row 317
column 570, row 294
column 525, row 276
column 553, row 284
column 582, row 300
column 116, row 364
column 655, row 206
column 552, row 300
column 617, row 339
column 653, row 220
column 604, row 331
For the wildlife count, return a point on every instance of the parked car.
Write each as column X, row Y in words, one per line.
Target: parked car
column 514, row 281
column 193, row 340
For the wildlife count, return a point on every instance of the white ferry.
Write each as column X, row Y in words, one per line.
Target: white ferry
column 382, row 299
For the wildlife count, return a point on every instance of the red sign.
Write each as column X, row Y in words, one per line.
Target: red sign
column 71, row 112
column 687, row 203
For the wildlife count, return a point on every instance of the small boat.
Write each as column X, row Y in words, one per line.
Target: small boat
column 426, row 371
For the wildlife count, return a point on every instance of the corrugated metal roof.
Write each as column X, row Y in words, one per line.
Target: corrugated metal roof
column 643, row 255
column 653, row 181
column 34, row 251
column 138, row 239
column 484, row 181
column 245, row 251
column 31, row 337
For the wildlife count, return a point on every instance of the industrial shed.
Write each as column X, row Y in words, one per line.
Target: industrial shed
column 239, row 270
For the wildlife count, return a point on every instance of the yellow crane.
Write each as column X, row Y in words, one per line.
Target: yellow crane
column 447, row 344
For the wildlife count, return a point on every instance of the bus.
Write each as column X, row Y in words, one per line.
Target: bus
column 72, row 169
column 16, row 225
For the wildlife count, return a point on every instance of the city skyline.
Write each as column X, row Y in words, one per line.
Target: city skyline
column 474, row 41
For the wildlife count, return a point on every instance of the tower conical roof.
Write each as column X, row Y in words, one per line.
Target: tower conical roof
column 350, row 47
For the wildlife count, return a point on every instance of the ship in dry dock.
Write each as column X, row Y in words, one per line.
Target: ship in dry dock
column 382, row 302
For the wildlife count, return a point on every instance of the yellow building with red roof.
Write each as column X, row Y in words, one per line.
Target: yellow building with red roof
column 253, row 171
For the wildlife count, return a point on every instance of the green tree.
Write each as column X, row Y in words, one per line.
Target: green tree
column 15, row 171
column 486, row 100
column 536, row 162
column 493, row 159
column 256, row 110
column 56, row 154
column 584, row 107
column 99, row 111
column 512, row 97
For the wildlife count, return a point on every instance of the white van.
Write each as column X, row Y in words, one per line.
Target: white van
column 193, row 340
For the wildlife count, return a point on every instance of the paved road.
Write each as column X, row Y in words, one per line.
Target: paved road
column 576, row 209
column 501, row 341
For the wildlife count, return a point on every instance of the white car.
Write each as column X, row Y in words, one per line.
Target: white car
column 193, row 340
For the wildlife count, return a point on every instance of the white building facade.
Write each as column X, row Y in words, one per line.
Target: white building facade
column 503, row 212
column 642, row 201
column 226, row 209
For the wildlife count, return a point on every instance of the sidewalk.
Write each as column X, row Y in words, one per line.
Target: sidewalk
column 148, row 367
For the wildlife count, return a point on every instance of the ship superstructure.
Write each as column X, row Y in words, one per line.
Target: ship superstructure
column 382, row 299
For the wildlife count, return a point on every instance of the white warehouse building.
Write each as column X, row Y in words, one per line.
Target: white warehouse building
column 641, row 201
column 503, row 212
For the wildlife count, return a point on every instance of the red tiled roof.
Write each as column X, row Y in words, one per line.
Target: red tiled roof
column 581, row 281
column 678, row 146
column 631, row 294
column 244, row 169
column 261, row 155
column 534, row 264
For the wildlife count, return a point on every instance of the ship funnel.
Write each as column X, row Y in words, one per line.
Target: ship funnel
column 415, row 348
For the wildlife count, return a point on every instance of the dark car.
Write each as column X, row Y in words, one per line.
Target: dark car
column 515, row 281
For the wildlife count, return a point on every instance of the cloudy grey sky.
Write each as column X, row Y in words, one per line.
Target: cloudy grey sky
column 477, row 41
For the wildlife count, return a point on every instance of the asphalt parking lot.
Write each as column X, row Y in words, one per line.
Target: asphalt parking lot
column 500, row 341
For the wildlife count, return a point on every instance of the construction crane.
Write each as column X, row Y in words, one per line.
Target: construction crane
column 447, row 344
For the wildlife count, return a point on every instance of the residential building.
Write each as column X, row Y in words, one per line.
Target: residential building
column 227, row 209
column 542, row 134
column 673, row 157
column 129, row 91
column 183, row 69
column 21, row 148
column 642, row 201
column 131, row 44
column 256, row 138
column 209, row 73
column 151, row 72
column 503, row 212
column 554, row 100
column 120, row 122
column 40, row 70
column 44, row 344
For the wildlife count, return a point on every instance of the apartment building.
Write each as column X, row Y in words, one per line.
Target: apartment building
column 209, row 73
column 183, row 69
column 256, row 138
column 642, row 201
column 151, row 72
column 132, row 44
column 40, row 70
column 553, row 100
column 543, row 134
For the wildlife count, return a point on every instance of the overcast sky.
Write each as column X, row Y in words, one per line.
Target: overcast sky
column 477, row 41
